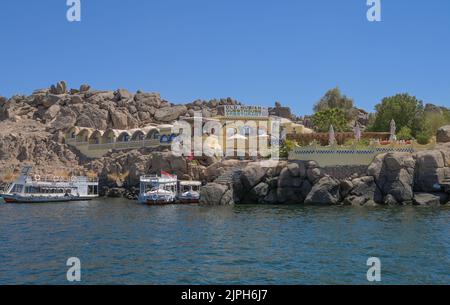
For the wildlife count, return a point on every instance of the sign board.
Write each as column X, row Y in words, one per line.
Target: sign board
column 246, row 111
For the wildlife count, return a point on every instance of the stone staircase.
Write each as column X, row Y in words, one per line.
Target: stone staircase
column 229, row 176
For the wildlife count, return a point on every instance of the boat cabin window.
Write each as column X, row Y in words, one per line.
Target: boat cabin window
column 18, row 188
column 92, row 190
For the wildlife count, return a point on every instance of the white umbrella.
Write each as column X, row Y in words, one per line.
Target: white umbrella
column 393, row 130
column 357, row 131
column 331, row 136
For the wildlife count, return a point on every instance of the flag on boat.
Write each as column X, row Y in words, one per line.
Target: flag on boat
column 166, row 174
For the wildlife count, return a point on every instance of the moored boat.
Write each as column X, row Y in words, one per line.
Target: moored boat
column 37, row 189
column 189, row 192
column 156, row 190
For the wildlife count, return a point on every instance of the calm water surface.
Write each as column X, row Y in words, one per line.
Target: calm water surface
column 121, row 241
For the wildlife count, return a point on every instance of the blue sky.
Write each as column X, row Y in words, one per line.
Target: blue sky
column 257, row 51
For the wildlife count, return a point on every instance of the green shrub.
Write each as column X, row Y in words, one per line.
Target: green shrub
column 286, row 147
column 404, row 134
column 424, row 137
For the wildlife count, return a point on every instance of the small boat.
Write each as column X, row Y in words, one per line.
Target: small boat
column 189, row 192
column 35, row 189
column 156, row 190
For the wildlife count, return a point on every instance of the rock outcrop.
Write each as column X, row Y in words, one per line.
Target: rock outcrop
column 216, row 194
column 392, row 179
column 59, row 108
column 430, row 171
column 325, row 191
column 443, row 134
column 394, row 175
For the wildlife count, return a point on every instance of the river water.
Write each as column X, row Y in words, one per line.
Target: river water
column 122, row 242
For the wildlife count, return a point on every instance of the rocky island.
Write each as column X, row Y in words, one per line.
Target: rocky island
column 34, row 130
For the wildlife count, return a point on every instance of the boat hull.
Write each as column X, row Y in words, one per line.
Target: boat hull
column 156, row 200
column 28, row 199
column 189, row 200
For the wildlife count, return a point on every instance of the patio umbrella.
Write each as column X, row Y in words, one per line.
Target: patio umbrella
column 393, row 130
column 357, row 131
column 331, row 136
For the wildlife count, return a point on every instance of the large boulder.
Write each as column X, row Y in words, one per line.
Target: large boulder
column 66, row 118
column 93, row 117
column 216, row 194
column 293, row 195
column 394, row 175
column 430, row 171
column 51, row 112
column 443, row 134
column 257, row 194
column 297, row 169
column 325, row 191
column 119, row 120
column 426, row 199
column 253, row 174
column 167, row 161
column 169, row 114
column 364, row 192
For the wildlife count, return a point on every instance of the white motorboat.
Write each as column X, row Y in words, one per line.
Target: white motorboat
column 189, row 192
column 37, row 189
column 156, row 190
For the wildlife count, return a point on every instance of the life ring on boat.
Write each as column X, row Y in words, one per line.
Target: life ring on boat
column 73, row 179
column 55, row 178
column 37, row 178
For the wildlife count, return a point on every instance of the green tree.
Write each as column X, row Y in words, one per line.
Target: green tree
column 336, row 117
column 333, row 98
column 406, row 110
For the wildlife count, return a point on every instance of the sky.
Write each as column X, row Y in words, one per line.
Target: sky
column 256, row 51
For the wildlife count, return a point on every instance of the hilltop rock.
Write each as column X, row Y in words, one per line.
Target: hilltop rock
column 59, row 88
column 84, row 88
column 169, row 114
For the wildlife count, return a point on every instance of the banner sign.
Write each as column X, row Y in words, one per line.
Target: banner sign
column 246, row 111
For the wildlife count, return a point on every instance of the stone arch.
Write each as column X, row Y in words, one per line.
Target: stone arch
column 153, row 134
column 124, row 137
column 84, row 135
column 109, row 136
column 96, row 137
column 138, row 135
column 72, row 132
